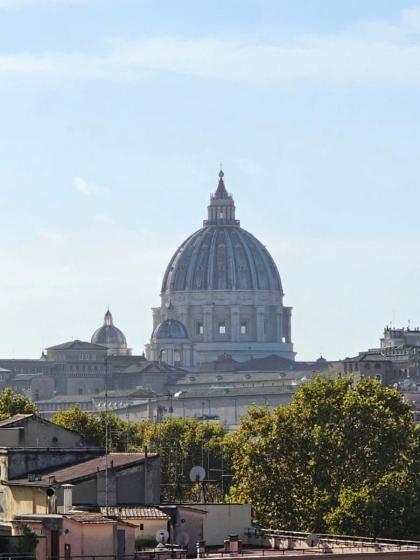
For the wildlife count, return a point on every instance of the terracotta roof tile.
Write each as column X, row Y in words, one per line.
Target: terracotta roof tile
column 135, row 512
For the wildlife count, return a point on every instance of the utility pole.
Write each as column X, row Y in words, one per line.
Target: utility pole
column 106, row 434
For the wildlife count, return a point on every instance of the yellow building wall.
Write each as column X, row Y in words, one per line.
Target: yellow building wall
column 21, row 500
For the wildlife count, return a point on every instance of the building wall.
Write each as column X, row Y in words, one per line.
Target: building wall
column 45, row 434
column 188, row 525
column 21, row 500
column 228, row 409
column 124, row 487
column 268, row 322
column 223, row 520
column 146, row 529
column 19, row 462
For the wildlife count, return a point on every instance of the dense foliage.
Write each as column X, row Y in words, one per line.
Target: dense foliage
column 12, row 403
column 93, row 428
column 181, row 444
column 340, row 458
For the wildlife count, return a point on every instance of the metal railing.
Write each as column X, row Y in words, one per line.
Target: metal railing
column 345, row 540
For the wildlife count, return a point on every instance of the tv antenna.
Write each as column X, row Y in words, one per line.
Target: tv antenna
column 312, row 540
column 197, row 474
column 162, row 536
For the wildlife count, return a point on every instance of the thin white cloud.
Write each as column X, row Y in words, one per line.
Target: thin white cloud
column 372, row 54
column 88, row 188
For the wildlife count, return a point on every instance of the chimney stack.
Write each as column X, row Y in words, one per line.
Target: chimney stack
column 68, row 497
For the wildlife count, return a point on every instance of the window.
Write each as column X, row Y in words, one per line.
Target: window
column 141, row 526
column 377, row 366
column 243, row 327
column 367, row 366
column 222, row 328
column 200, row 328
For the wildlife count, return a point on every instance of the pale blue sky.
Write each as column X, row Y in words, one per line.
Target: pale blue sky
column 115, row 114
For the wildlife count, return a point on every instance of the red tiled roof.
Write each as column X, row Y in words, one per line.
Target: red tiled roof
column 85, row 517
column 135, row 512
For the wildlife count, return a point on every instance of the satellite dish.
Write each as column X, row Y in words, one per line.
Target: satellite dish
column 197, row 474
column 312, row 540
column 183, row 538
column 162, row 536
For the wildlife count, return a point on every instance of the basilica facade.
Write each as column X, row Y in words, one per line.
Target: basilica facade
column 221, row 295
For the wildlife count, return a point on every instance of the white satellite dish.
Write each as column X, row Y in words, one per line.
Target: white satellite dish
column 312, row 540
column 162, row 536
column 197, row 474
column 183, row 538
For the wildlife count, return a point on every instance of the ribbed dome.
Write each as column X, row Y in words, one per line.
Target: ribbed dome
column 221, row 257
column 171, row 328
column 109, row 335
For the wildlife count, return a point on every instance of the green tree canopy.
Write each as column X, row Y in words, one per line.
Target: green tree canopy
column 12, row 403
column 342, row 457
column 181, row 444
column 93, row 427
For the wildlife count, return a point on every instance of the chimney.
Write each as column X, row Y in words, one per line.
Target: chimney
column 68, row 497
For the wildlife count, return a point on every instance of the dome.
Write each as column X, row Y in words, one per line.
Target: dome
column 109, row 335
column 221, row 255
column 221, row 295
column 171, row 328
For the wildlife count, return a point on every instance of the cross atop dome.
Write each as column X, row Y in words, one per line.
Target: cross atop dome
column 221, row 210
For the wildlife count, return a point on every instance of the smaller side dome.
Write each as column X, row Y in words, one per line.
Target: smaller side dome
column 109, row 335
column 171, row 328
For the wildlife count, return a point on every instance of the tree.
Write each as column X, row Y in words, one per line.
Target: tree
column 12, row 403
column 183, row 443
column 331, row 461
column 93, row 428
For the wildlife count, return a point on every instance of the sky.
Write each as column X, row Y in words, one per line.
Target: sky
column 116, row 114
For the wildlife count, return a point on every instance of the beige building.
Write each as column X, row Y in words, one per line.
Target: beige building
column 78, row 534
column 147, row 521
column 222, row 520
